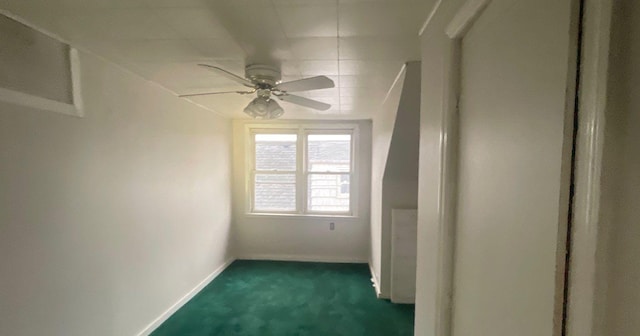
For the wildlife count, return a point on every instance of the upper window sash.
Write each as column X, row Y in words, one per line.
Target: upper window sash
column 336, row 135
column 283, row 146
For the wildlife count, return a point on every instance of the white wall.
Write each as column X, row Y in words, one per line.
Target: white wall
column 432, row 197
column 108, row 220
column 382, row 131
column 304, row 238
column 400, row 177
column 433, row 44
column 514, row 161
column 433, row 218
column 620, row 211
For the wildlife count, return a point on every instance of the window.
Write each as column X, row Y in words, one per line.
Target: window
column 302, row 171
column 328, row 172
column 275, row 172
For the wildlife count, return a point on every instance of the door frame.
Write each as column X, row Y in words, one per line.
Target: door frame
column 591, row 104
column 455, row 31
column 584, row 264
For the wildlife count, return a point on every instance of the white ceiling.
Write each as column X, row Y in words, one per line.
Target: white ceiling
column 360, row 44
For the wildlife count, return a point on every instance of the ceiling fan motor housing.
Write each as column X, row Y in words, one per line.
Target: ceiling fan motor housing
column 263, row 74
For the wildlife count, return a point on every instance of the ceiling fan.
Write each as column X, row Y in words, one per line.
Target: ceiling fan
column 264, row 81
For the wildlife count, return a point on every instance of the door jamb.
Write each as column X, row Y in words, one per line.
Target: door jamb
column 584, row 264
column 460, row 24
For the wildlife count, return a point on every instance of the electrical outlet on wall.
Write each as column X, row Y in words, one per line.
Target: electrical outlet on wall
column 332, row 226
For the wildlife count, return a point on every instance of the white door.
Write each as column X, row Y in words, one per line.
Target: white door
column 517, row 80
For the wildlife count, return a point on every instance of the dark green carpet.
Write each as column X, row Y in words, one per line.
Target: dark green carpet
column 264, row 298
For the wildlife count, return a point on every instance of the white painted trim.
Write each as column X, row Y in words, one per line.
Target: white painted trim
column 290, row 257
column 430, row 17
column 374, row 281
column 447, row 187
column 76, row 87
column 465, row 17
column 35, row 102
column 182, row 301
column 32, row 26
column 298, row 216
column 448, row 150
column 301, row 173
column 398, row 76
column 566, row 169
column 583, row 313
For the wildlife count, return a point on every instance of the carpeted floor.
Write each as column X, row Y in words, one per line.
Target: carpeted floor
column 262, row 298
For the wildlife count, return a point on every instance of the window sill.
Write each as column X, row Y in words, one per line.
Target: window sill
column 293, row 216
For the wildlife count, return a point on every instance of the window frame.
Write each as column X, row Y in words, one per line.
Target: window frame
column 306, row 172
column 254, row 171
column 301, row 173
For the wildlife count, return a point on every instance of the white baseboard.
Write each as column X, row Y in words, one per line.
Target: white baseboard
column 404, row 300
column 376, row 285
column 374, row 280
column 284, row 257
column 164, row 316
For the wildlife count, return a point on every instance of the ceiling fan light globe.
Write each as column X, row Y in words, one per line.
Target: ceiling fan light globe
column 263, row 108
column 275, row 111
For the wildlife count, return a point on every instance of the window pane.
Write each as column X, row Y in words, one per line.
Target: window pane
column 275, row 192
column 329, row 192
column 329, row 152
column 276, row 152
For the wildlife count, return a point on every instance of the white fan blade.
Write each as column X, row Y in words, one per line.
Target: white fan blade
column 306, row 84
column 214, row 93
column 228, row 75
column 306, row 102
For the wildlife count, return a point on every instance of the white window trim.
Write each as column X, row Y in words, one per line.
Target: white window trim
column 306, row 173
column 302, row 130
column 252, row 171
